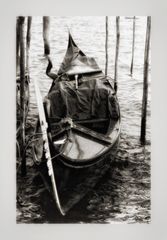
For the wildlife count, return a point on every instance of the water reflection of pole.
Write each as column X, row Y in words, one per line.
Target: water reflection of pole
column 28, row 39
column 117, row 52
column 46, row 27
column 145, row 83
column 106, row 47
column 22, row 92
column 133, row 45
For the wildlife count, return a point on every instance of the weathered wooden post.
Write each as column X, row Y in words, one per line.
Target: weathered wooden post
column 17, row 43
column 22, row 93
column 117, row 52
column 106, row 47
column 46, row 27
column 145, row 83
column 28, row 39
column 133, row 45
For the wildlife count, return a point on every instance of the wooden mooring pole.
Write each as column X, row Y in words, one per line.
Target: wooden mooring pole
column 22, row 94
column 28, row 39
column 17, row 44
column 145, row 83
column 106, row 47
column 46, row 27
column 133, row 45
column 117, row 52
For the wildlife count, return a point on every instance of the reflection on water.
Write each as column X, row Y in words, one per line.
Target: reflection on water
column 123, row 195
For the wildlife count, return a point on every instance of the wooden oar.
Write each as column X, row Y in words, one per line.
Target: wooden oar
column 44, row 126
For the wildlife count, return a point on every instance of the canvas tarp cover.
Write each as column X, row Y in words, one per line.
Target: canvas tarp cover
column 79, row 65
column 93, row 99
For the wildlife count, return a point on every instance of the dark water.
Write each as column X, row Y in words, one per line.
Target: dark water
column 123, row 194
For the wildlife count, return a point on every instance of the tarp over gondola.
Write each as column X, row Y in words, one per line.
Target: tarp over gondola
column 94, row 98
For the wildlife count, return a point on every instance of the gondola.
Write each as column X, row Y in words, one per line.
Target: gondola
column 82, row 115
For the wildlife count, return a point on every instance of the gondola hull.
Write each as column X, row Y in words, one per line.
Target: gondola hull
column 74, row 183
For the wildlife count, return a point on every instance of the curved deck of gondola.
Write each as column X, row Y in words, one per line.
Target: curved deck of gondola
column 86, row 147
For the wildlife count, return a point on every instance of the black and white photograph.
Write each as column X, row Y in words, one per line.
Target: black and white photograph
column 83, row 113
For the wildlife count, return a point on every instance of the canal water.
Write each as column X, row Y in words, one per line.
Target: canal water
column 123, row 194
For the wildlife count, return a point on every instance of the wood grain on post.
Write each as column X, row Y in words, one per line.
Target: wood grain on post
column 145, row 83
column 133, row 45
column 106, row 47
column 117, row 52
column 28, row 39
column 46, row 27
column 22, row 92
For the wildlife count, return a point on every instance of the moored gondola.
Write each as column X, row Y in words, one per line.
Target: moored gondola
column 83, row 118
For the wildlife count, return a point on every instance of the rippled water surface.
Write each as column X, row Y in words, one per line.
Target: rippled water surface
column 123, row 194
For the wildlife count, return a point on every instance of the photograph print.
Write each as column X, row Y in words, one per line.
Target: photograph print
column 83, row 136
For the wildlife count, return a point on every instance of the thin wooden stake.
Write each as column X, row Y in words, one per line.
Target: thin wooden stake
column 133, row 45
column 46, row 27
column 145, row 83
column 28, row 39
column 17, row 44
column 22, row 93
column 117, row 52
column 106, row 47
